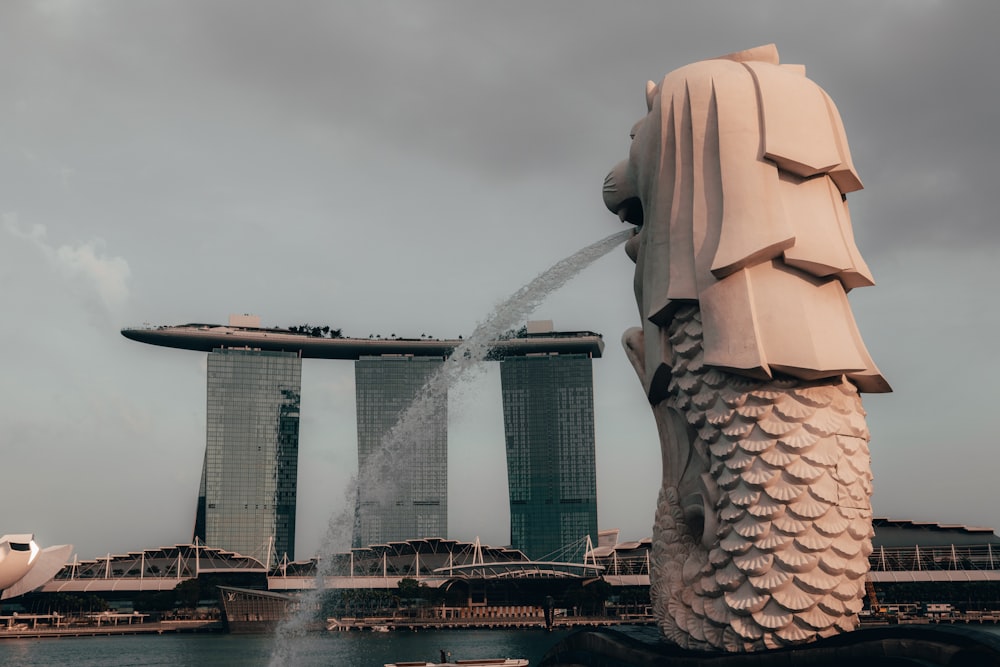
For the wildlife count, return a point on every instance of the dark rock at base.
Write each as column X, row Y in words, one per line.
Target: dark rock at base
column 887, row 646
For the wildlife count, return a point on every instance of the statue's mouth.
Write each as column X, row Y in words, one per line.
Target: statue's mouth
column 630, row 211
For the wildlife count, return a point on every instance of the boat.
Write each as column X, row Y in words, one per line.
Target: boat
column 481, row 662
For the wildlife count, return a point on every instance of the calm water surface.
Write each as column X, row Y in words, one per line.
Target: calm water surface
column 350, row 649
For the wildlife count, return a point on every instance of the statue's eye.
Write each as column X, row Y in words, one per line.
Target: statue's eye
column 635, row 130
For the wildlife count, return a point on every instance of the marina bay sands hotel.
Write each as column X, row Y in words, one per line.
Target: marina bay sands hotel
column 247, row 495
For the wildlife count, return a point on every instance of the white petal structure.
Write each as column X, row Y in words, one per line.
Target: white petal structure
column 24, row 566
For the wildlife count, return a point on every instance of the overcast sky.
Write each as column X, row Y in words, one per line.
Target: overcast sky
column 401, row 168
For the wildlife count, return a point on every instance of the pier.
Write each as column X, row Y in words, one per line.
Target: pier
column 43, row 626
column 533, row 622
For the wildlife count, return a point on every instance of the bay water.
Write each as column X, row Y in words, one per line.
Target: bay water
column 329, row 649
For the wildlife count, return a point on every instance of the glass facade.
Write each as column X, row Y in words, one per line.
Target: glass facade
column 548, row 412
column 246, row 502
column 403, row 489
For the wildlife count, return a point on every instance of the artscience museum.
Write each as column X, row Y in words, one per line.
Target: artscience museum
column 25, row 566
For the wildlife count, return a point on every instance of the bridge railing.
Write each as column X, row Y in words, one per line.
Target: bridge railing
column 935, row 558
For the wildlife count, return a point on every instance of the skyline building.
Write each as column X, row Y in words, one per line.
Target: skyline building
column 403, row 487
column 548, row 414
column 247, row 495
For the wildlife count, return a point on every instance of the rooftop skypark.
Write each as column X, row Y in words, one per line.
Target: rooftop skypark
column 305, row 342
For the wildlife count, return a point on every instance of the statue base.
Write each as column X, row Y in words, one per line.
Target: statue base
column 882, row 646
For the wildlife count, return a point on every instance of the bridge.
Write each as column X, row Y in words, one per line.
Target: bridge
column 945, row 563
column 435, row 562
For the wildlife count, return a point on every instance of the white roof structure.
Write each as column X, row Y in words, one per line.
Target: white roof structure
column 25, row 566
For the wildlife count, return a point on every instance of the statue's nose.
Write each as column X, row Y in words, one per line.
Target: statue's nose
column 614, row 196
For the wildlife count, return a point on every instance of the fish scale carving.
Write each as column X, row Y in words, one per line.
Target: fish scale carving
column 791, row 476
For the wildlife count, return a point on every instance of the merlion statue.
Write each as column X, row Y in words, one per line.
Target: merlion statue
column 749, row 353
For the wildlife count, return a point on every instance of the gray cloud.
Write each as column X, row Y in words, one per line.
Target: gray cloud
column 86, row 261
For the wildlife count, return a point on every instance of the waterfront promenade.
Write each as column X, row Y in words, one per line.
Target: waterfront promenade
column 953, row 618
column 40, row 626
column 388, row 623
